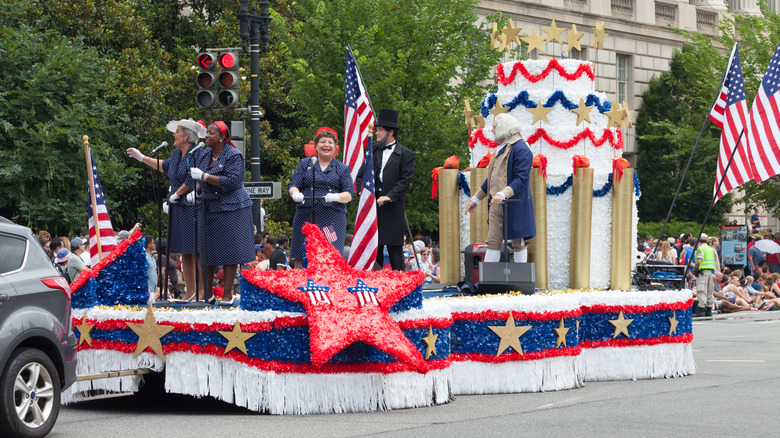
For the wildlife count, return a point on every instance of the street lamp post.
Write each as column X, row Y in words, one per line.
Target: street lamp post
column 254, row 28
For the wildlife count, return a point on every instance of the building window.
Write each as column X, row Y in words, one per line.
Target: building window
column 622, row 78
column 578, row 54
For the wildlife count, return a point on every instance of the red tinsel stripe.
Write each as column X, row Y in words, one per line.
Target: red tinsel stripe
column 95, row 270
column 604, row 308
column 553, row 64
column 682, row 339
column 269, row 365
column 502, row 315
column 615, row 139
column 439, row 323
column 516, row 357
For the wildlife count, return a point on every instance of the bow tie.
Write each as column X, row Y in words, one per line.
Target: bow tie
column 385, row 147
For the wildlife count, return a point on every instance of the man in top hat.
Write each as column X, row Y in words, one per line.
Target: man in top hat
column 393, row 172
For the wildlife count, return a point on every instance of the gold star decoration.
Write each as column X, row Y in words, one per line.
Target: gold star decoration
column 553, row 32
column 583, row 112
column 578, row 327
column 621, row 325
column 149, row 334
column 574, row 39
column 625, row 119
column 614, row 115
column 84, row 331
column 673, row 323
column 495, row 37
column 540, row 112
column 534, row 42
column 480, row 121
column 560, row 334
column 236, row 338
column 509, row 35
column 599, row 35
column 469, row 115
column 510, row 335
column 430, row 343
column 499, row 108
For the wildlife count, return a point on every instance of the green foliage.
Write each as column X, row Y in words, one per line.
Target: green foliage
column 675, row 228
column 421, row 58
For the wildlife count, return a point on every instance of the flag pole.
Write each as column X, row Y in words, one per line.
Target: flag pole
column 92, row 195
column 690, row 159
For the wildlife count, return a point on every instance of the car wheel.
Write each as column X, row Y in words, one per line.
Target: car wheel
column 30, row 390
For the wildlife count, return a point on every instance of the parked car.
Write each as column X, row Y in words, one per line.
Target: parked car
column 37, row 345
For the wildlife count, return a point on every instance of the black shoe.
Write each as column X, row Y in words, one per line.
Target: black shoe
column 708, row 312
column 700, row 313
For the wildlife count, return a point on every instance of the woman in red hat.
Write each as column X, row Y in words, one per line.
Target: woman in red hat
column 333, row 190
column 228, row 227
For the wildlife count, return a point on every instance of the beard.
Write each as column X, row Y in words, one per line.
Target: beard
column 382, row 142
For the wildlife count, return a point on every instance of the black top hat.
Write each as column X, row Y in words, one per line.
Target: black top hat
column 387, row 118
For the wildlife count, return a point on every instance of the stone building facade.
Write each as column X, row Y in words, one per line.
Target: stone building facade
column 639, row 46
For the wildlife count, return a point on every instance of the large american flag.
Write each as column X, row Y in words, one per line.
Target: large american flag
column 104, row 228
column 357, row 116
column 365, row 241
column 763, row 128
column 730, row 114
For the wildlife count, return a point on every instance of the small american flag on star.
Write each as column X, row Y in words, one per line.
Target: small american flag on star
column 330, row 233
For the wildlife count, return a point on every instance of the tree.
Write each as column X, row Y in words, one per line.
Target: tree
column 421, row 58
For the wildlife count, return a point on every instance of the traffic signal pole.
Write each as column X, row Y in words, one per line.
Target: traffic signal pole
column 254, row 28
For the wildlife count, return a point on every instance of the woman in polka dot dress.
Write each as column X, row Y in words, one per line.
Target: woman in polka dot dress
column 334, row 189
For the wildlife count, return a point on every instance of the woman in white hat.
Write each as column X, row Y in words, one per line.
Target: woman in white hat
column 182, row 234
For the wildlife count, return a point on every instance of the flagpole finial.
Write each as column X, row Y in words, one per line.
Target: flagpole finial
column 370, row 128
column 86, row 139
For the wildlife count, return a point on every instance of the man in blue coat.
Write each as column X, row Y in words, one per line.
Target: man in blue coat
column 508, row 175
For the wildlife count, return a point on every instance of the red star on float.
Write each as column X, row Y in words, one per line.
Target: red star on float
column 336, row 316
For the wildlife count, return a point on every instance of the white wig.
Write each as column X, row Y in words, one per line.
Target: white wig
column 505, row 126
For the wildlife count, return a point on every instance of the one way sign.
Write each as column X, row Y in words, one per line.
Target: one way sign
column 263, row 190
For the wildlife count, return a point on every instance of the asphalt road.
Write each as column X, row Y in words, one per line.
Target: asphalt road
column 736, row 392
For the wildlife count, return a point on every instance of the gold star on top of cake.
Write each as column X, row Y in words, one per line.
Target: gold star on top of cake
column 495, row 37
column 469, row 115
column 553, row 32
column 480, row 121
column 540, row 112
column 614, row 115
column 499, row 108
column 510, row 35
column 534, row 42
column 574, row 39
column 599, row 35
column 625, row 119
column 621, row 325
column 583, row 112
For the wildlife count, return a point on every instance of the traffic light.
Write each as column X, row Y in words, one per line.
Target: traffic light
column 218, row 79
column 228, row 79
column 207, row 80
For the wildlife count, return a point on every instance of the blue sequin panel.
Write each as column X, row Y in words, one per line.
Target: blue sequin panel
column 596, row 326
column 86, row 296
column 470, row 337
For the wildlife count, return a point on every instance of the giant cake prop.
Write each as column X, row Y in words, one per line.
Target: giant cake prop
column 330, row 339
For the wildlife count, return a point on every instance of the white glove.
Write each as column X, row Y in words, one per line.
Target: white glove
column 174, row 199
column 135, row 153
column 198, row 174
column 297, row 197
column 191, row 197
column 165, row 207
column 332, row 197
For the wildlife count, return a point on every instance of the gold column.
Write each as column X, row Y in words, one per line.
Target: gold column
column 581, row 215
column 622, row 239
column 478, row 221
column 537, row 248
column 449, row 226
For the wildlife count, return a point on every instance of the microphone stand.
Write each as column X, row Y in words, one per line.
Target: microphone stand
column 314, row 163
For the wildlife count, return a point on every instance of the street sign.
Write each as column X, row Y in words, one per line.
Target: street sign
column 263, row 189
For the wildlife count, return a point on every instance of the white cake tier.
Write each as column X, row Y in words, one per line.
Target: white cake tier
column 547, row 74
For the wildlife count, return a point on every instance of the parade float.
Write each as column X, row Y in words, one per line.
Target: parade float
column 331, row 339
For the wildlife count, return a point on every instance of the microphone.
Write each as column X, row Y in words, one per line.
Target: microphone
column 162, row 146
column 200, row 146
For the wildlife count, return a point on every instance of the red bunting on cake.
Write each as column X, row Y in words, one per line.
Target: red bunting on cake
column 615, row 139
column 583, row 69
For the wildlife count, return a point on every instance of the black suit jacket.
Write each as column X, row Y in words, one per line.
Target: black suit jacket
column 395, row 182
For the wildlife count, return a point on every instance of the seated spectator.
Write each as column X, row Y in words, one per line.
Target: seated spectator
column 278, row 258
column 263, row 255
column 436, row 272
column 666, row 253
column 425, row 265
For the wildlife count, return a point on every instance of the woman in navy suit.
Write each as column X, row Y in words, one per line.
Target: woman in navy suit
column 182, row 237
column 334, row 187
column 228, row 227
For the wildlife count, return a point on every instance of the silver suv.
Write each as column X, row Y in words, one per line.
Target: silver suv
column 37, row 345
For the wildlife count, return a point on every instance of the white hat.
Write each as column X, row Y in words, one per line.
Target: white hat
column 187, row 123
column 419, row 245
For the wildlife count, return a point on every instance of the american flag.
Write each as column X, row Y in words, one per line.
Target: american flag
column 104, row 228
column 364, row 244
column 730, row 114
column 763, row 129
column 357, row 116
column 330, row 233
